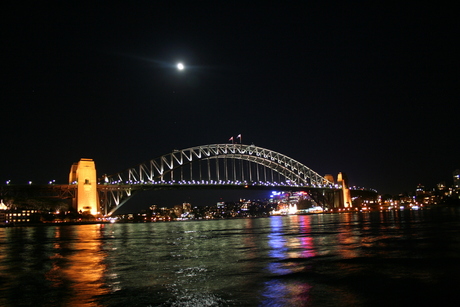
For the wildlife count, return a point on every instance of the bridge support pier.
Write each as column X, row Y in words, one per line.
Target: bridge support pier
column 345, row 195
column 83, row 174
column 340, row 198
column 342, row 180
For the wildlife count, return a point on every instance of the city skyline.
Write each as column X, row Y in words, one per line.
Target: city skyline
column 368, row 90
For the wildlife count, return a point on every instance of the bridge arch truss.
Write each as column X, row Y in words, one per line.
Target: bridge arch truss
column 220, row 164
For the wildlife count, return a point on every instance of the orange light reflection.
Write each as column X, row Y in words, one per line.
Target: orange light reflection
column 78, row 263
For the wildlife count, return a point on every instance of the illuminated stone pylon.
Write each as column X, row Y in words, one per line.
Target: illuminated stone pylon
column 342, row 180
column 83, row 174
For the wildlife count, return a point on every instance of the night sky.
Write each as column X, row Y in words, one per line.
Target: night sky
column 369, row 89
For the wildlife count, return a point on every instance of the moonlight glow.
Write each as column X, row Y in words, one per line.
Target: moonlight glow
column 180, row 66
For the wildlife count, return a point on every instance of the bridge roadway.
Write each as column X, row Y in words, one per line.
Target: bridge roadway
column 65, row 191
column 62, row 191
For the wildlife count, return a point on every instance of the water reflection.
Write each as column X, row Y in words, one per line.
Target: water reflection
column 51, row 266
column 182, row 264
column 290, row 240
column 305, row 247
column 349, row 236
column 78, row 263
column 315, row 260
column 276, row 239
column 22, row 265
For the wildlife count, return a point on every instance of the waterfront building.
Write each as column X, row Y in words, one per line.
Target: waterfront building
column 186, row 207
column 456, row 177
column 21, row 216
column 2, row 217
column 419, row 190
column 178, row 210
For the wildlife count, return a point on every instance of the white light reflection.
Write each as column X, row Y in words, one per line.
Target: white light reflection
column 289, row 238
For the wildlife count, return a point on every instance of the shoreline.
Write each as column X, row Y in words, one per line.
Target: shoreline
column 3, row 225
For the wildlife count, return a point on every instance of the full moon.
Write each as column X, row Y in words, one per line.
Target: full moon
column 180, row 66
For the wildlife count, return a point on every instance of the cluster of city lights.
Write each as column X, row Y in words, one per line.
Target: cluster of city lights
column 220, row 182
column 217, row 182
column 362, row 189
column 214, row 182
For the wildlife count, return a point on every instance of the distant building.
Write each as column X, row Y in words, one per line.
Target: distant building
column 456, row 177
column 178, row 210
column 20, row 216
column 187, row 207
column 420, row 190
column 441, row 186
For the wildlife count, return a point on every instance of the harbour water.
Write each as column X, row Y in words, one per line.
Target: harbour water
column 398, row 258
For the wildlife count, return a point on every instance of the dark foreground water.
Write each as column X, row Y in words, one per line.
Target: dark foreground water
column 407, row 258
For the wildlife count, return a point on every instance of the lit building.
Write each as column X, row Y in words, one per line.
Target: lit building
column 178, row 210
column 441, row 186
column 21, row 216
column 420, row 190
column 221, row 205
column 441, row 192
column 291, row 202
column 456, row 177
column 187, row 207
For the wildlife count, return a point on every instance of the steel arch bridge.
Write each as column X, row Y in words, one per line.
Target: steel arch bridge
column 210, row 166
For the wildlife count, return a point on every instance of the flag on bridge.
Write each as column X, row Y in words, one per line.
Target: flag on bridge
column 231, row 139
column 239, row 137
